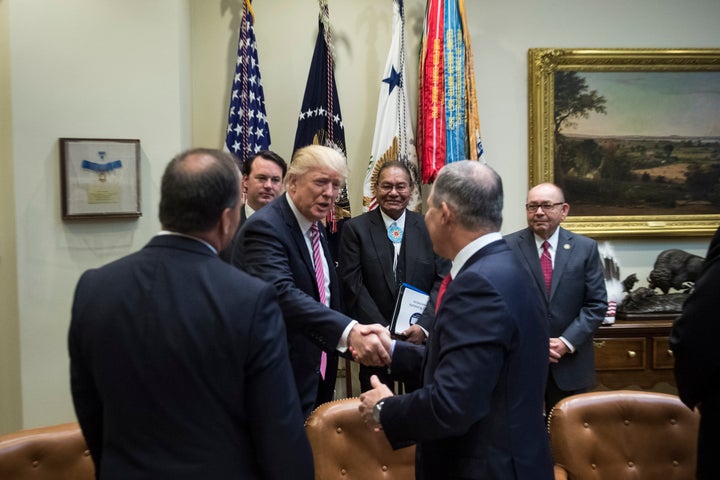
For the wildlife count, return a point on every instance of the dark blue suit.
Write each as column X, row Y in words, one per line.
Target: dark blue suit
column 271, row 246
column 697, row 359
column 177, row 371
column 577, row 302
column 479, row 414
column 366, row 258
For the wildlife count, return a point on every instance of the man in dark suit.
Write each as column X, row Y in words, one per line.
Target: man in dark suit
column 380, row 250
column 573, row 287
column 176, row 368
column 277, row 244
column 697, row 359
column 479, row 413
column 262, row 180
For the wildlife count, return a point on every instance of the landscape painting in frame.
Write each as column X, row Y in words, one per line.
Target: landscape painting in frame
column 632, row 136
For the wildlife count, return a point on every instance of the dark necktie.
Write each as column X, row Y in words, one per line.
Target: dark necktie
column 546, row 265
column 320, row 279
column 441, row 292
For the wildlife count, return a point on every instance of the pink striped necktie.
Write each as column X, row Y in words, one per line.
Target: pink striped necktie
column 546, row 265
column 320, row 279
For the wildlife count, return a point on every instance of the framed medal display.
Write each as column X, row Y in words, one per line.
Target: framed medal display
column 100, row 178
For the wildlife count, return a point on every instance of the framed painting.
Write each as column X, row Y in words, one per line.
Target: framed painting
column 632, row 136
column 100, row 178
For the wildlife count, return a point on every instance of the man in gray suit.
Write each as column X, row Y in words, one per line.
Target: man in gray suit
column 567, row 269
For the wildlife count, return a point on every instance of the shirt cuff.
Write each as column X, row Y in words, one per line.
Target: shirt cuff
column 568, row 344
column 342, row 345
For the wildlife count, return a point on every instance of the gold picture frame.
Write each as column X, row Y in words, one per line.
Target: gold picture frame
column 100, row 178
column 626, row 169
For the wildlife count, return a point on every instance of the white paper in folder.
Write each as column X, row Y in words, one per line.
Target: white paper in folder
column 409, row 307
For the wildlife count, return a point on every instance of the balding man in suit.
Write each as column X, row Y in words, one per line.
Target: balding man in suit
column 175, row 364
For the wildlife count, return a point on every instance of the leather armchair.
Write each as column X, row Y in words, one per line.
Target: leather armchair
column 58, row 452
column 623, row 434
column 344, row 447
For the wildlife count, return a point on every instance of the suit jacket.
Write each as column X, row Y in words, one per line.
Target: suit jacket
column 577, row 302
column 272, row 247
column 697, row 359
column 176, row 371
column 366, row 260
column 479, row 414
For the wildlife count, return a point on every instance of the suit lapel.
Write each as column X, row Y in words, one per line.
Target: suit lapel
column 408, row 247
column 529, row 250
column 562, row 255
column 380, row 241
column 297, row 235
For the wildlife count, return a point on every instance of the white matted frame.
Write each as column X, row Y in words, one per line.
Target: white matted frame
column 100, row 178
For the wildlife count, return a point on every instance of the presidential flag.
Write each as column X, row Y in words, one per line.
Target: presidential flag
column 393, row 139
column 247, row 127
column 320, row 120
column 448, row 122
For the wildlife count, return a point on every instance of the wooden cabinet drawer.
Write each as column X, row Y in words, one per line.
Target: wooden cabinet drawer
column 620, row 353
column 662, row 357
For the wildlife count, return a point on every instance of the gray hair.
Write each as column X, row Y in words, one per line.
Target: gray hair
column 473, row 191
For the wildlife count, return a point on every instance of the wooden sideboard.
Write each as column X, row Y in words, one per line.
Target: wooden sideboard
column 634, row 353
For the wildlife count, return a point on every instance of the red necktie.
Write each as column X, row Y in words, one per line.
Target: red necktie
column 546, row 265
column 441, row 292
column 320, row 279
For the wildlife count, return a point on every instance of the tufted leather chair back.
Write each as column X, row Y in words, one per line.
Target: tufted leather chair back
column 48, row 453
column 619, row 435
column 344, row 447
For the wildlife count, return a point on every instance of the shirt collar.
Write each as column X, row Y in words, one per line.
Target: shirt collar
column 553, row 240
column 470, row 249
column 178, row 234
column 248, row 210
column 400, row 222
column 304, row 223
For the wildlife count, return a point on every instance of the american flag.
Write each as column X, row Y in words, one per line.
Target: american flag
column 247, row 127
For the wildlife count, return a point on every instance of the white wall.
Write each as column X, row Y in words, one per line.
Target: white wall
column 84, row 68
column 104, row 68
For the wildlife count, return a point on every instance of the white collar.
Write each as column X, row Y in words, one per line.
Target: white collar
column 470, row 249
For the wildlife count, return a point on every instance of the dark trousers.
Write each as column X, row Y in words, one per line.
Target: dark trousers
column 553, row 394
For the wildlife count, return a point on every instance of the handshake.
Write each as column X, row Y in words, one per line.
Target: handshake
column 370, row 345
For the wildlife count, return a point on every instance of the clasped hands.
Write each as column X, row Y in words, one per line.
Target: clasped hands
column 557, row 350
column 370, row 344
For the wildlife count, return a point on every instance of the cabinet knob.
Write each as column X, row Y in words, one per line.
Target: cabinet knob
column 631, row 354
column 599, row 343
column 670, row 353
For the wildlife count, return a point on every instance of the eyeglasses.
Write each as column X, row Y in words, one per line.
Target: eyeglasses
column 547, row 207
column 399, row 187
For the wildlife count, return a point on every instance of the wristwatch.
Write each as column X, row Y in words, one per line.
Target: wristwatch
column 376, row 411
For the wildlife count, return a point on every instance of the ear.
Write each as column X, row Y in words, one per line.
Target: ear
column 564, row 212
column 445, row 213
column 226, row 222
column 244, row 183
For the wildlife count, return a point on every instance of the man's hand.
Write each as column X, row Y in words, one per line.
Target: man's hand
column 557, row 350
column 370, row 345
column 370, row 398
column 414, row 334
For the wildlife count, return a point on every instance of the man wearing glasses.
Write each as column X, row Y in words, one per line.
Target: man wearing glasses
column 567, row 269
column 380, row 250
